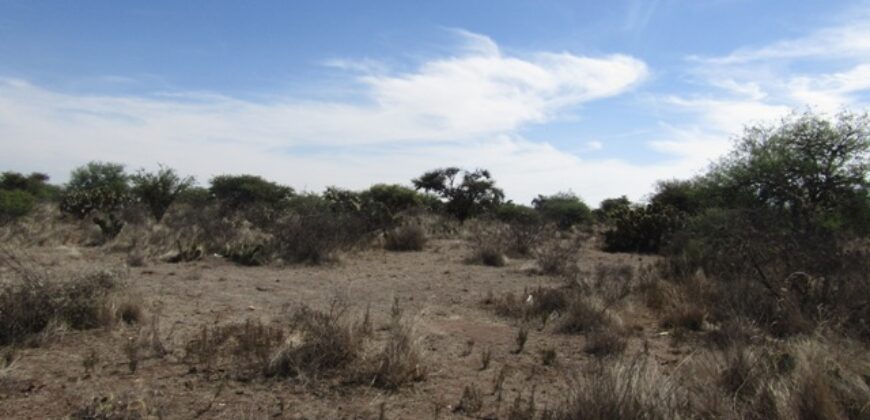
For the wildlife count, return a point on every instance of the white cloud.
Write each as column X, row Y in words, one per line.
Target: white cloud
column 459, row 110
column 827, row 70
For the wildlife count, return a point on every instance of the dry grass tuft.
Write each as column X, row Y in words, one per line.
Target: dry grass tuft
column 605, row 343
column 33, row 300
column 409, row 237
column 621, row 389
column 556, row 256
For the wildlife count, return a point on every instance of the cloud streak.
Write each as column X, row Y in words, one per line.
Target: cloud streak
column 464, row 109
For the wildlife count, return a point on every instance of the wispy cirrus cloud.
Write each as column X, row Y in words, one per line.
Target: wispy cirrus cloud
column 827, row 70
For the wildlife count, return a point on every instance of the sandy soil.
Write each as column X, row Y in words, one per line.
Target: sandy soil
column 437, row 290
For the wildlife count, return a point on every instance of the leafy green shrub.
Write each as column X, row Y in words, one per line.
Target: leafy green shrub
column 476, row 194
column 15, row 204
column 36, row 184
column 563, row 209
column 642, row 229
column 610, row 208
column 98, row 189
column 158, row 190
column 237, row 193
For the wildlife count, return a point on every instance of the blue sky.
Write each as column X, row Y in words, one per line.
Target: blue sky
column 599, row 98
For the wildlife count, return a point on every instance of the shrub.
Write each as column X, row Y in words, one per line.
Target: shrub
column 487, row 245
column 315, row 235
column 15, row 204
column 244, row 253
column 328, row 342
column 524, row 227
column 611, row 207
column 237, row 193
column 476, row 194
column 605, row 343
column 618, row 389
column 99, row 175
column 410, row 237
column 36, row 184
column 557, row 256
column 33, row 301
column 158, row 190
column 398, row 363
column 642, row 229
column 563, row 209
column 98, row 189
column 583, row 316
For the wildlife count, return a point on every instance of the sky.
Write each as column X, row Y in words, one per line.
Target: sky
column 601, row 99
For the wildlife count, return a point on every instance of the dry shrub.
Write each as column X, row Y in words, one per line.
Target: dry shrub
column 557, row 256
column 797, row 379
column 409, row 237
column 605, row 343
column 246, row 347
column 584, row 315
column 320, row 342
column 126, row 406
column 488, row 245
column 316, row 237
column 32, row 300
column 621, row 389
column 398, row 363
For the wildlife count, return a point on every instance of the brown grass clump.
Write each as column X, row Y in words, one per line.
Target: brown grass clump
column 605, row 343
column 488, row 245
column 584, row 316
column 409, row 237
column 621, row 389
column 32, row 300
column 398, row 363
column 246, row 348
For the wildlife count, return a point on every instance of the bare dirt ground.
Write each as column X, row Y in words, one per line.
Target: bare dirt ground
column 438, row 292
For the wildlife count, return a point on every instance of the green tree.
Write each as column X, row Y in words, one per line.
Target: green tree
column 812, row 170
column 564, row 209
column 159, row 189
column 475, row 194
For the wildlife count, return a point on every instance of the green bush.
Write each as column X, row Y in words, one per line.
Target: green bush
column 101, row 190
column 642, row 229
column 36, row 184
column 158, row 190
column 15, row 204
column 563, row 209
column 235, row 193
column 610, row 207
